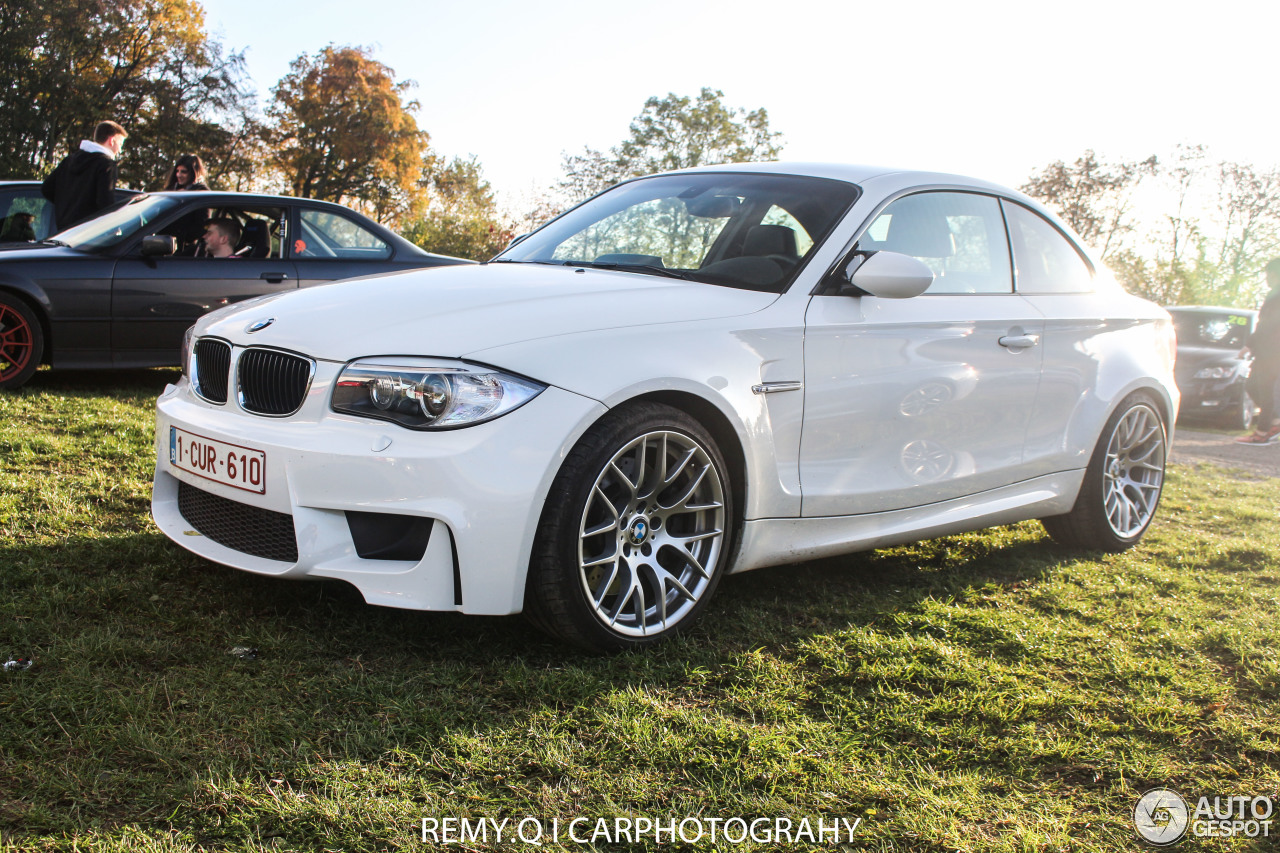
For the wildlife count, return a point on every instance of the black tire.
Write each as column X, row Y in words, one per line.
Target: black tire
column 1240, row 415
column 607, row 545
column 21, row 342
column 1122, row 485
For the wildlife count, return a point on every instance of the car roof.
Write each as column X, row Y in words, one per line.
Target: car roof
column 856, row 174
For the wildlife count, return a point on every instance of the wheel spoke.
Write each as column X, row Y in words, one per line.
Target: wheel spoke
column 652, row 533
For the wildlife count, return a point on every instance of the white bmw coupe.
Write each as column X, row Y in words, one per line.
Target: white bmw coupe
column 690, row 374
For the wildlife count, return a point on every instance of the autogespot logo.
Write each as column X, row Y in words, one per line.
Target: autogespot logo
column 1161, row 817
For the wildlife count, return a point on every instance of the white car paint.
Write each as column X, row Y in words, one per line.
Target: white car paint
column 859, row 421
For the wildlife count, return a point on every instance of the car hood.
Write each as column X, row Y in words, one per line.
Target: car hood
column 30, row 251
column 454, row 311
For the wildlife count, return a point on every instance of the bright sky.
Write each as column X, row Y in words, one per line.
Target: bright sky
column 990, row 88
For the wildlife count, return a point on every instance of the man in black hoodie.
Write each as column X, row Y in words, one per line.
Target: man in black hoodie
column 85, row 181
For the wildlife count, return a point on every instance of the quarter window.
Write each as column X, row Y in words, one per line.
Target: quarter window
column 331, row 235
column 1046, row 261
column 960, row 236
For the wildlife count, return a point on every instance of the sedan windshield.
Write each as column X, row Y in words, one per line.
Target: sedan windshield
column 117, row 224
column 747, row 231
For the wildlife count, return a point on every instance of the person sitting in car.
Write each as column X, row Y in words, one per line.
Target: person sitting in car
column 221, row 237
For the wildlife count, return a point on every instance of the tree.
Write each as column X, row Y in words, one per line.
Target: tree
column 341, row 132
column 462, row 217
column 1092, row 196
column 1180, row 230
column 674, row 132
column 147, row 64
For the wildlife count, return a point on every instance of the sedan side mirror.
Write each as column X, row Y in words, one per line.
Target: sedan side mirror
column 889, row 275
column 159, row 244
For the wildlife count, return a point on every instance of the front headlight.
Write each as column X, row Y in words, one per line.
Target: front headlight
column 1220, row 372
column 430, row 395
column 188, row 342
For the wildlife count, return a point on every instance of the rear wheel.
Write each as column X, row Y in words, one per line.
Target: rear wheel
column 1122, row 485
column 1240, row 415
column 21, row 342
column 635, row 534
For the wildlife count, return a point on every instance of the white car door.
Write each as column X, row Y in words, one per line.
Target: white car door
column 914, row 401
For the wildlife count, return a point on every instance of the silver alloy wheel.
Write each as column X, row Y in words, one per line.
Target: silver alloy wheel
column 1134, row 471
column 651, row 533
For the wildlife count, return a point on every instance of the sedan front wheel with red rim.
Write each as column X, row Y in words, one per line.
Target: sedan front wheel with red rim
column 21, row 342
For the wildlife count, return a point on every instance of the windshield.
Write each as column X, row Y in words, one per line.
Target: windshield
column 117, row 224
column 747, row 231
column 1228, row 330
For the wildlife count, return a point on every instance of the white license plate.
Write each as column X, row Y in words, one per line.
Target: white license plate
column 229, row 464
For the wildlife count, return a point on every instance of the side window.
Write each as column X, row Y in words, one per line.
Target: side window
column 1045, row 260
column 332, row 235
column 960, row 236
column 24, row 216
column 256, row 230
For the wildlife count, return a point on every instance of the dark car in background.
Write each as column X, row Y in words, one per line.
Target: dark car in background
column 121, row 289
column 26, row 215
column 1210, row 372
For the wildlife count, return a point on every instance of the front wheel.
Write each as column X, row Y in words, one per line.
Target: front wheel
column 635, row 534
column 21, row 342
column 1122, row 485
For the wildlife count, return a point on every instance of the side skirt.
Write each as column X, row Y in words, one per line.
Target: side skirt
column 777, row 541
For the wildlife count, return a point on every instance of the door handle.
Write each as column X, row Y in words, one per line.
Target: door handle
column 1019, row 341
column 274, row 277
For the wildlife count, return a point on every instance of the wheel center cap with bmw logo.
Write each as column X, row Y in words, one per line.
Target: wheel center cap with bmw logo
column 638, row 532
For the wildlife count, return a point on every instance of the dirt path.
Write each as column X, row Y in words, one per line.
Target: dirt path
column 1216, row 448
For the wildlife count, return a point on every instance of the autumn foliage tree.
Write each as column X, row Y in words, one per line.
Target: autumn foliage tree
column 65, row 65
column 341, row 131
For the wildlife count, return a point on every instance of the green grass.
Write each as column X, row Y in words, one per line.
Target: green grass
column 990, row 691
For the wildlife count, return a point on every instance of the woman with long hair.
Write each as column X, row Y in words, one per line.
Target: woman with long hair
column 187, row 174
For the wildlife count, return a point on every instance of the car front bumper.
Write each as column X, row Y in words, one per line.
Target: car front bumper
column 482, row 488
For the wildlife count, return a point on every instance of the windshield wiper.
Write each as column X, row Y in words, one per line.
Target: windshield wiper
column 644, row 268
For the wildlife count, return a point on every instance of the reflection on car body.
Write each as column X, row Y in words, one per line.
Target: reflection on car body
column 121, row 289
column 689, row 375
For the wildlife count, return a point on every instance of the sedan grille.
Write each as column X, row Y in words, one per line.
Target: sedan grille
column 258, row 532
column 213, row 361
column 273, row 383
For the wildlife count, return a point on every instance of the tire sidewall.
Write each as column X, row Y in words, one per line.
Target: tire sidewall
column 555, row 564
column 1095, row 479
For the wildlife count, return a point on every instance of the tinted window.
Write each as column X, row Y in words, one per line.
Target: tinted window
column 960, row 236
column 332, row 235
column 1046, row 261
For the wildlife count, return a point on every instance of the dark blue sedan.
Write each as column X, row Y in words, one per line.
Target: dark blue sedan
column 121, row 289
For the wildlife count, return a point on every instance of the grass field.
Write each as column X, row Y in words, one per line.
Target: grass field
column 986, row 692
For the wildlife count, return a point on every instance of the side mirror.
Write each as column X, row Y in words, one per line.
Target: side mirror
column 890, row 275
column 159, row 244
column 517, row 239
